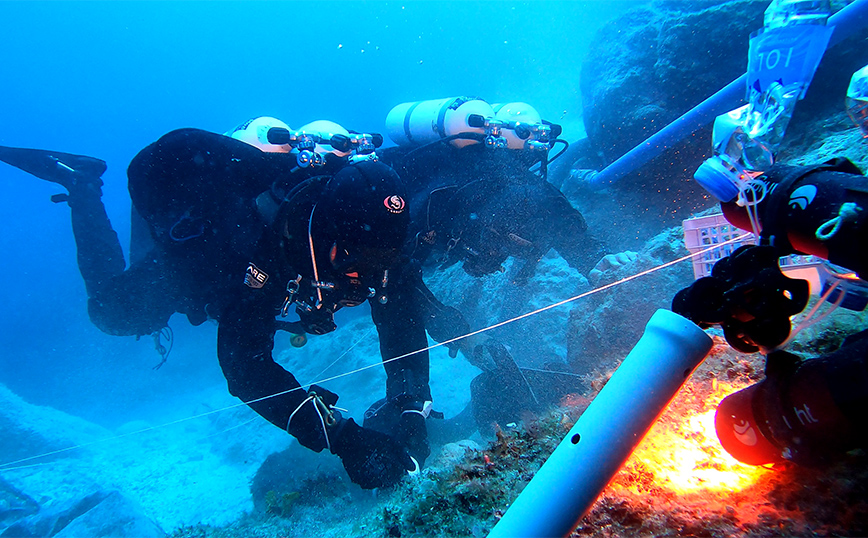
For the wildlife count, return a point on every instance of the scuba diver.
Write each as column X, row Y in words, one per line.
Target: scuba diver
column 478, row 195
column 478, row 187
column 805, row 411
column 274, row 236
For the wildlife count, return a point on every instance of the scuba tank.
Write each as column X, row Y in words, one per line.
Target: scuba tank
column 321, row 141
column 323, row 130
column 422, row 122
column 255, row 132
column 527, row 124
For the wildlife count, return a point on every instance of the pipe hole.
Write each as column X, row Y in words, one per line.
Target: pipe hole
column 575, row 439
column 687, row 373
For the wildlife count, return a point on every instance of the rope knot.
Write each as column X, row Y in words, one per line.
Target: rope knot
column 849, row 212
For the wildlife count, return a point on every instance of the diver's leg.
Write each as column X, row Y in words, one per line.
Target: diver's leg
column 136, row 302
column 52, row 166
column 99, row 252
column 100, row 256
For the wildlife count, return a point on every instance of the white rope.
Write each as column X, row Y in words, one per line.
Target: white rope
column 8, row 466
column 344, row 354
column 849, row 212
column 325, row 431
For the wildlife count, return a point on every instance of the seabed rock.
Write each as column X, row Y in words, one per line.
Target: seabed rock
column 103, row 513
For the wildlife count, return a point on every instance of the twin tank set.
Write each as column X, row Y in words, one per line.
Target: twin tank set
column 461, row 121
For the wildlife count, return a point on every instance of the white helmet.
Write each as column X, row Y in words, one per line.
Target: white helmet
column 326, row 129
column 255, row 133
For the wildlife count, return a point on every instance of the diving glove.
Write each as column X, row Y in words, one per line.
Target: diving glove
column 371, row 459
column 315, row 421
column 405, row 423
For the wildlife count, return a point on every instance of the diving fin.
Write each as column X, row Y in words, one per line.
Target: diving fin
column 506, row 365
column 54, row 166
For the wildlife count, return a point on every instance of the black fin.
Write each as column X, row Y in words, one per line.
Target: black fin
column 53, row 166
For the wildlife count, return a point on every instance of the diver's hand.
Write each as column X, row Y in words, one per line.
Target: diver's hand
column 316, row 321
column 471, row 347
column 608, row 263
column 371, row 459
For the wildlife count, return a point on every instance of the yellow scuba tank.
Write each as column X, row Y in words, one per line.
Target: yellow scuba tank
column 422, row 122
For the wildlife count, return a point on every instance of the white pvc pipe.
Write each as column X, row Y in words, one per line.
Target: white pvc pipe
column 569, row 482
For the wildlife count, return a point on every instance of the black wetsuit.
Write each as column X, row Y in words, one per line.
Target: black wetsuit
column 479, row 205
column 197, row 191
column 247, row 327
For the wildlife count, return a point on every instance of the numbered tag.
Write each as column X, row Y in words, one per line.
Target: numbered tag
column 788, row 55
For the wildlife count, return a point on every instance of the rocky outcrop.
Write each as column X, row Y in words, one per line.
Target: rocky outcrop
column 35, row 434
column 654, row 63
column 602, row 331
column 30, row 430
column 651, row 65
column 102, row 513
column 14, row 504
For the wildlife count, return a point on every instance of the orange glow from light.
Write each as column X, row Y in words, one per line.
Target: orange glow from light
column 684, row 456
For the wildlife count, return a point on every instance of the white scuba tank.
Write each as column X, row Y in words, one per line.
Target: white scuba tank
column 516, row 112
column 422, row 122
column 325, row 129
column 255, row 133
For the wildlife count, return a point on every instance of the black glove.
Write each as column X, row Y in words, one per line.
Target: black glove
column 404, row 423
column 447, row 323
column 316, row 321
column 313, row 422
column 371, row 459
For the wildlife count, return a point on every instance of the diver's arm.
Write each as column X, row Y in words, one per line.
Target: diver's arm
column 245, row 340
column 572, row 238
column 401, row 327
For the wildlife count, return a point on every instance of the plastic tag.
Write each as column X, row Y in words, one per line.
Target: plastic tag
column 787, row 55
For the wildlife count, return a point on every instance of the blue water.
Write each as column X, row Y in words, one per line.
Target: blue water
column 107, row 78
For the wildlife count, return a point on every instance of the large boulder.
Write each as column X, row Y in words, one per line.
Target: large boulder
column 14, row 504
column 602, row 331
column 647, row 68
column 36, row 434
column 655, row 62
